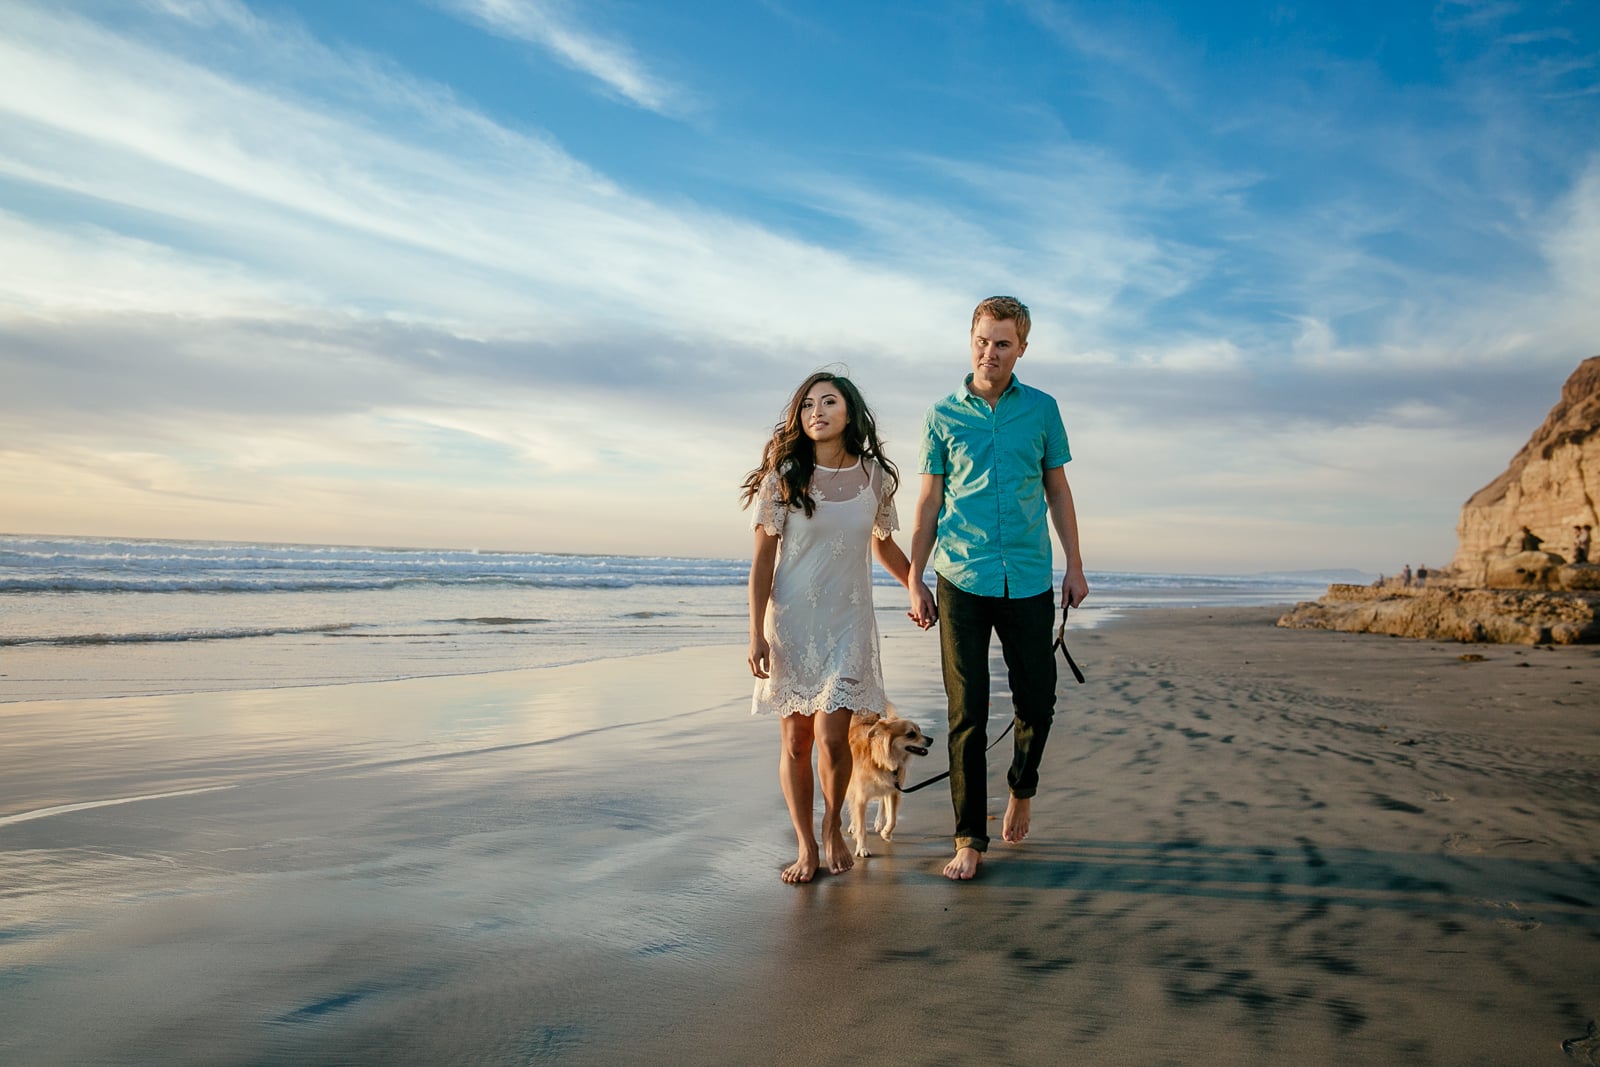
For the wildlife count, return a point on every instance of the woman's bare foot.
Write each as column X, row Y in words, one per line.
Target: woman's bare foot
column 803, row 869
column 965, row 866
column 1015, row 826
column 840, row 856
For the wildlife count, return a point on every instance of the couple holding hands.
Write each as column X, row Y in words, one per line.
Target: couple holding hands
column 991, row 464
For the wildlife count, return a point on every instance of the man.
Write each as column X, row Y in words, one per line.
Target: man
column 992, row 458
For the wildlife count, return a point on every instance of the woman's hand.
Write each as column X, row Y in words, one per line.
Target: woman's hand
column 760, row 658
column 923, row 610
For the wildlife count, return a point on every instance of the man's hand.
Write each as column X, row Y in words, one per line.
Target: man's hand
column 1074, row 587
column 924, row 612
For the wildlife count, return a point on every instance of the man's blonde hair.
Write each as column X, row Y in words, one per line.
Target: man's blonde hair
column 1002, row 308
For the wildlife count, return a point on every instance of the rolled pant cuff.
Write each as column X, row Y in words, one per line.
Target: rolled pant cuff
column 979, row 844
column 1025, row 794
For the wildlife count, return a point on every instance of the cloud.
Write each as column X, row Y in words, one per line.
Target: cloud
column 455, row 220
column 550, row 26
column 266, row 269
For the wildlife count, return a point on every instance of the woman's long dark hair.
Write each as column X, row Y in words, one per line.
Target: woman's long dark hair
column 794, row 456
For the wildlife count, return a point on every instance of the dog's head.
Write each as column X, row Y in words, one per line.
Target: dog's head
column 895, row 740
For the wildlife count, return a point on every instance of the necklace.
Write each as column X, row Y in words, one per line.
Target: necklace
column 833, row 473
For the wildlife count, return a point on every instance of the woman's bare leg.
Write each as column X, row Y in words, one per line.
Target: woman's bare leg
column 833, row 766
column 794, row 773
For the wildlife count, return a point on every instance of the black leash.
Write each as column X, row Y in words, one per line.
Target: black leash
column 945, row 774
column 1061, row 643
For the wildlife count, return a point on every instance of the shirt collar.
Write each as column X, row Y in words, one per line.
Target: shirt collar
column 966, row 389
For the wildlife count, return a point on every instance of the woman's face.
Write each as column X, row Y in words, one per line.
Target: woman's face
column 824, row 413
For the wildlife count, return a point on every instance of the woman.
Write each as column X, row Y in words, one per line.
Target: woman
column 824, row 491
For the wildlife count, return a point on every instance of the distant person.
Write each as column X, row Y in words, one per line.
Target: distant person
column 1580, row 543
column 1405, row 576
column 823, row 493
column 1530, row 540
column 1422, row 574
column 992, row 470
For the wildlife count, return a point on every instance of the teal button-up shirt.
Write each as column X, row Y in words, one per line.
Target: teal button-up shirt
column 994, row 526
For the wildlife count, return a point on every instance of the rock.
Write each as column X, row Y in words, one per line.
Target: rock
column 1525, row 570
column 1579, row 577
column 1550, row 486
column 1442, row 614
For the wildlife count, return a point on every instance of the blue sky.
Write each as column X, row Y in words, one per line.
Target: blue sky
column 540, row 274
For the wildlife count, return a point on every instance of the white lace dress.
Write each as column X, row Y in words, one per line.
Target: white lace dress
column 819, row 622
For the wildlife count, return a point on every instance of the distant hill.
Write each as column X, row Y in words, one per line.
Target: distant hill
column 1345, row 575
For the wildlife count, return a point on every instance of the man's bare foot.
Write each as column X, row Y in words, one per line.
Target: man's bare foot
column 803, row 869
column 965, row 866
column 840, row 857
column 1015, row 826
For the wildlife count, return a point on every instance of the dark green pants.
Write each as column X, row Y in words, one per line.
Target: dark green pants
column 966, row 623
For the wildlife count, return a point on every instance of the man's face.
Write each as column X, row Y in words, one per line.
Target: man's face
column 995, row 350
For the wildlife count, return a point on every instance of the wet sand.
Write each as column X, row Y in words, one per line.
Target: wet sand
column 1252, row 846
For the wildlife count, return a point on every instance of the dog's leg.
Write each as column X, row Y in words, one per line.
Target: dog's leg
column 857, row 803
column 891, row 815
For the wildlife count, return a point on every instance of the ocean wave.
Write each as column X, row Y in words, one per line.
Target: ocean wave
column 65, row 565
column 30, row 565
column 181, row 584
column 163, row 637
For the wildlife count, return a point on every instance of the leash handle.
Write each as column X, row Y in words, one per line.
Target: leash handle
column 1061, row 643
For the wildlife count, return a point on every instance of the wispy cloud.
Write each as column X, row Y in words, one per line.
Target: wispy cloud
column 263, row 265
column 553, row 27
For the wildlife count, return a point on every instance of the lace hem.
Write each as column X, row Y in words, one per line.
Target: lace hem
column 837, row 697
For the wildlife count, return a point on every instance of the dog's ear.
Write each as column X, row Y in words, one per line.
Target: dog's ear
column 879, row 738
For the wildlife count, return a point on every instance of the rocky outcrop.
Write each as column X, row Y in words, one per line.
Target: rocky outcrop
column 1579, row 577
column 1446, row 614
column 1510, row 580
column 1525, row 570
column 1550, row 486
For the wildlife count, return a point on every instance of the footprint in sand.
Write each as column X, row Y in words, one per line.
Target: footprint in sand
column 1516, row 922
column 1462, row 843
column 1437, row 797
column 1584, row 1049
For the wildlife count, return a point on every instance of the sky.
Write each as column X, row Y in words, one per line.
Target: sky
column 541, row 274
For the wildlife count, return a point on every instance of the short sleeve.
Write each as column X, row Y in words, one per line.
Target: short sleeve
column 771, row 512
column 887, row 520
column 1057, row 452
column 934, row 457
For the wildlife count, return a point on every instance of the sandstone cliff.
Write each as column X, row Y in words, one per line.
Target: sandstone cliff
column 1496, row 589
column 1552, row 484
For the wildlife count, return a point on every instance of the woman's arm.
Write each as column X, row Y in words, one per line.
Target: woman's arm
column 762, row 561
column 893, row 559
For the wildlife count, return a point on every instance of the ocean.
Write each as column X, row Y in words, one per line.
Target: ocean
column 90, row 616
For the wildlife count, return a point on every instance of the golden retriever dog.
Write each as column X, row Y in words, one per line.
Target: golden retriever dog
column 880, row 748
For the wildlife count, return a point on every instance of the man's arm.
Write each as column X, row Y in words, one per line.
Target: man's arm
column 1064, row 516
column 924, row 531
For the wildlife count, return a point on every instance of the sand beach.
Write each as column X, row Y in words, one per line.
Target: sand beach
column 1253, row 845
